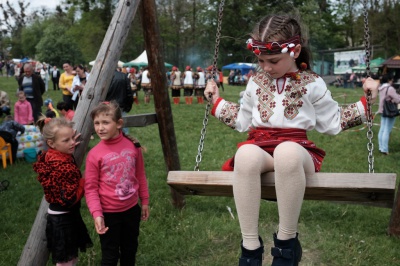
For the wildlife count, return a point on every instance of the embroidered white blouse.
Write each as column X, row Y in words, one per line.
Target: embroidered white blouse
column 188, row 78
column 201, row 81
column 302, row 103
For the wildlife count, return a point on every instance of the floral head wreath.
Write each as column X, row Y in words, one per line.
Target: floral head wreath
column 283, row 47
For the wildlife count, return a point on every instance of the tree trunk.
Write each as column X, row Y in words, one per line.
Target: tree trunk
column 35, row 252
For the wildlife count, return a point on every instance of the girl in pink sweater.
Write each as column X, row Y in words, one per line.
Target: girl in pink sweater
column 23, row 110
column 115, row 181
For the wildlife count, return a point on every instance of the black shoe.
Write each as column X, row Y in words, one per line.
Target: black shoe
column 286, row 252
column 252, row 257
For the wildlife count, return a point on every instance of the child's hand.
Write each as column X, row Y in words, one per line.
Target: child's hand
column 145, row 212
column 101, row 229
column 76, row 137
column 371, row 85
column 212, row 89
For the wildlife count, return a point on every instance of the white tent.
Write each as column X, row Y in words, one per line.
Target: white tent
column 141, row 61
column 120, row 63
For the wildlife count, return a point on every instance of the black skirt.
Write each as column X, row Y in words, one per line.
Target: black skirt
column 66, row 234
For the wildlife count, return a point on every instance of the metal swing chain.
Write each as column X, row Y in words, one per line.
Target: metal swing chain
column 208, row 106
column 370, row 133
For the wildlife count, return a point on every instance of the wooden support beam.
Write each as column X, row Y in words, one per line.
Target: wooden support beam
column 155, row 56
column 141, row 120
column 35, row 252
column 394, row 224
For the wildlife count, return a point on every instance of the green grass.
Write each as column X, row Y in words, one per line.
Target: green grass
column 203, row 232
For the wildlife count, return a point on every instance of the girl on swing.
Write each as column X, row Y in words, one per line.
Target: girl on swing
column 283, row 101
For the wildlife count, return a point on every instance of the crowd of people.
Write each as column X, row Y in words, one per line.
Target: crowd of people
column 192, row 83
column 71, row 81
column 237, row 78
column 349, row 80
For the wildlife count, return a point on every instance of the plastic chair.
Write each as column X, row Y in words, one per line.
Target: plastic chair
column 4, row 149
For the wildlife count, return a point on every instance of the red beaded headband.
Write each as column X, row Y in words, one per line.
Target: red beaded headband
column 283, row 47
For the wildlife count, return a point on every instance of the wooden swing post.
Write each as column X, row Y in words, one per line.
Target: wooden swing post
column 155, row 55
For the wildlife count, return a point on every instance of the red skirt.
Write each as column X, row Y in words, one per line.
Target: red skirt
column 269, row 138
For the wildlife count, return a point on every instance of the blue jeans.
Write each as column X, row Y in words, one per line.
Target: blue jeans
column 384, row 133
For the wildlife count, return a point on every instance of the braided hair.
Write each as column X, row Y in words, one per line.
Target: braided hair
column 279, row 28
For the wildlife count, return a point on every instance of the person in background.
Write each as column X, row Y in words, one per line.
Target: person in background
column 200, row 85
column 66, row 110
column 283, row 101
column 12, row 69
column 55, row 77
column 34, row 87
column 176, row 85
column 188, row 85
column 146, row 85
column 221, row 79
column 78, row 83
column 44, row 74
column 51, row 112
column 63, row 187
column 134, row 86
column 121, row 92
column 4, row 103
column 115, row 183
column 352, row 80
column 17, row 71
column 12, row 127
column 386, row 93
column 65, row 83
column 23, row 110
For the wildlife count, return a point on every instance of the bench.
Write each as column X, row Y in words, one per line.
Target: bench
column 376, row 189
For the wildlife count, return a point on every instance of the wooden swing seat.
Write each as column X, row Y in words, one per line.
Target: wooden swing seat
column 361, row 188
column 376, row 189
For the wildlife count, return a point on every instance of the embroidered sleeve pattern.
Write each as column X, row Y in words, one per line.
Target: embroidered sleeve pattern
column 229, row 113
column 350, row 117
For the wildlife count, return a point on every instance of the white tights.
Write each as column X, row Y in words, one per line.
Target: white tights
column 290, row 162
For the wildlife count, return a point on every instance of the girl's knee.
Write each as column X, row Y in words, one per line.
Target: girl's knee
column 288, row 155
column 288, row 151
column 246, row 149
column 247, row 155
column 250, row 157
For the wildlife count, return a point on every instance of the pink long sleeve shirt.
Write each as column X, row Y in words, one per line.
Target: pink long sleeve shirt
column 115, row 177
column 23, row 112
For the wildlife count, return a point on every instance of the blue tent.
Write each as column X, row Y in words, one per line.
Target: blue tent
column 243, row 67
column 24, row 60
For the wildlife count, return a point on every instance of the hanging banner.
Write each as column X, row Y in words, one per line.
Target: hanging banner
column 345, row 61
